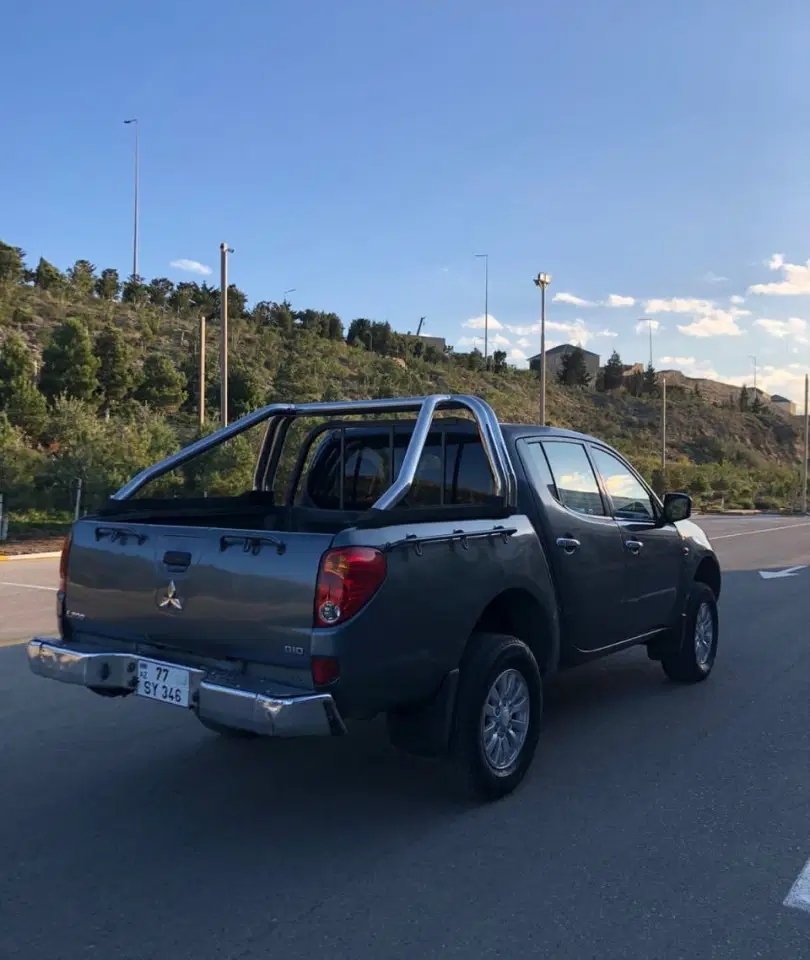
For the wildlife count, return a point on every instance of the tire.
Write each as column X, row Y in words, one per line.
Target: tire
column 495, row 667
column 234, row 733
column 692, row 660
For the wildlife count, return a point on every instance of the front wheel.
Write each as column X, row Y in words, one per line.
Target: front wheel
column 497, row 717
column 693, row 658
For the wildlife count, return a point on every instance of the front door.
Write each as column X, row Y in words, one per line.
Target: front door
column 585, row 545
column 653, row 551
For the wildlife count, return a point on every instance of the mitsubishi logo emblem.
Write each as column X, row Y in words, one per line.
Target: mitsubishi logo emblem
column 170, row 598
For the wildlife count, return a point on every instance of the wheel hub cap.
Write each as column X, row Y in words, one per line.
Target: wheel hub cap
column 704, row 634
column 505, row 720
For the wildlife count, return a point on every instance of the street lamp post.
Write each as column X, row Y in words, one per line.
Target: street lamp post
column 134, row 121
column 224, row 250
column 291, row 290
column 542, row 280
column 485, row 258
column 754, row 359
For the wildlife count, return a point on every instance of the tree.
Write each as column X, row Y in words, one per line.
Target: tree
column 159, row 291
column 756, row 402
column 134, row 290
column 744, row 400
column 499, row 361
column 244, row 390
column 108, row 286
column 162, row 386
column 82, row 278
column 116, row 373
column 360, row 333
column 12, row 265
column 26, row 409
column 48, row 277
column 614, row 372
column 573, row 369
column 650, row 382
column 69, row 365
column 184, row 296
column 16, row 364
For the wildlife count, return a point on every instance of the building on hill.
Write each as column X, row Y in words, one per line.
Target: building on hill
column 438, row 342
column 554, row 359
column 783, row 404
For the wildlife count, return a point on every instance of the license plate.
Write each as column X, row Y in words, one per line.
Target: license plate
column 158, row 681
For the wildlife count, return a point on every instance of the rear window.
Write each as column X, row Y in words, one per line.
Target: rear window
column 456, row 472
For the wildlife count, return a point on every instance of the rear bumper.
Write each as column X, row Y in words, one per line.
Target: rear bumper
column 284, row 712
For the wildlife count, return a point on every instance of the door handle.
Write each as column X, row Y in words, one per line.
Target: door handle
column 568, row 544
column 633, row 546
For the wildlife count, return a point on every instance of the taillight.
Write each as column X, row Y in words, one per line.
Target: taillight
column 347, row 579
column 63, row 562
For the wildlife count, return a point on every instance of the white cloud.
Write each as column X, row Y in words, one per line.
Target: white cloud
column 617, row 300
column 711, row 277
column 572, row 299
column 613, row 300
column 736, row 299
column 517, row 356
column 478, row 323
column 679, row 305
column 711, row 320
column 794, row 328
column 524, row 342
column 643, row 326
column 499, row 340
column 577, row 332
column 714, row 323
column 467, row 343
column 795, row 278
column 690, row 367
column 191, row 266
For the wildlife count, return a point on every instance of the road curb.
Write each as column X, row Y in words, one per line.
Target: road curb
column 9, row 558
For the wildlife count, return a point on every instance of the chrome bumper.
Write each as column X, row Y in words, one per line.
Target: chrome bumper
column 289, row 714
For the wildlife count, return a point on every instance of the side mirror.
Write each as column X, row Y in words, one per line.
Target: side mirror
column 677, row 506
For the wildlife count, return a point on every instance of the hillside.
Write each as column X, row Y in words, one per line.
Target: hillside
column 99, row 377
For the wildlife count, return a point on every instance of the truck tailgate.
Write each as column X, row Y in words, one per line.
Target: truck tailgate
column 217, row 592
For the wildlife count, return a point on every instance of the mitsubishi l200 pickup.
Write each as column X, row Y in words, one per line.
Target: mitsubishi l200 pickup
column 435, row 569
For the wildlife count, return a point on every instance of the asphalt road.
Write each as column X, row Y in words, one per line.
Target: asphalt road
column 658, row 822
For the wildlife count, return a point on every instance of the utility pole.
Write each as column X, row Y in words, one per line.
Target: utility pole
column 542, row 280
column 202, row 372
column 664, row 428
column 224, row 250
column 134, row 121
column 485, row 258
column 752, row 357
column 806, row 446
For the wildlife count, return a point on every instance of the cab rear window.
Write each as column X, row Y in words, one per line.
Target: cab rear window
column 451, row 471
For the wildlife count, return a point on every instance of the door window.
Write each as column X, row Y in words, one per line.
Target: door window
column 574, row 478
column 630, row 499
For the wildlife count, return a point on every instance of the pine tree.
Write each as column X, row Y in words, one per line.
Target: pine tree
column 69, row 365
column 614, row 371
column 573, row 369
column 162, row 386
column 116, row 372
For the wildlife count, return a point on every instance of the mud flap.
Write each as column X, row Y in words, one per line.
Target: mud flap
column 424, row 729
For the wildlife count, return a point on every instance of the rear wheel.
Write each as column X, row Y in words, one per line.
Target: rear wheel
column 497, row 716
column 234, row 733
column 692, row 659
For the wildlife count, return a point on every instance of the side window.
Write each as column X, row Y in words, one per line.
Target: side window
column 630, row 500
column 538, row 468
column 468, row 477
column 574, row 478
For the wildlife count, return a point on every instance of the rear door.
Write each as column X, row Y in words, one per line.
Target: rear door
column 654, row 558
column 586, row 547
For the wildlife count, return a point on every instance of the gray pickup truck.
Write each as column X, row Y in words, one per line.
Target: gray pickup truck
column 435, row 569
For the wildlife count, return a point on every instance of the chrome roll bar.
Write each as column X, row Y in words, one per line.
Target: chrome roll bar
column 426, row 408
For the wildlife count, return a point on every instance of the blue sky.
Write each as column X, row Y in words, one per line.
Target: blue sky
column 362, row 152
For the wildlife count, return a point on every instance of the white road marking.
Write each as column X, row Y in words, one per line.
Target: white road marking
column 28, row 586
column 778, row 574
column 799, row 895
column 751, row 533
